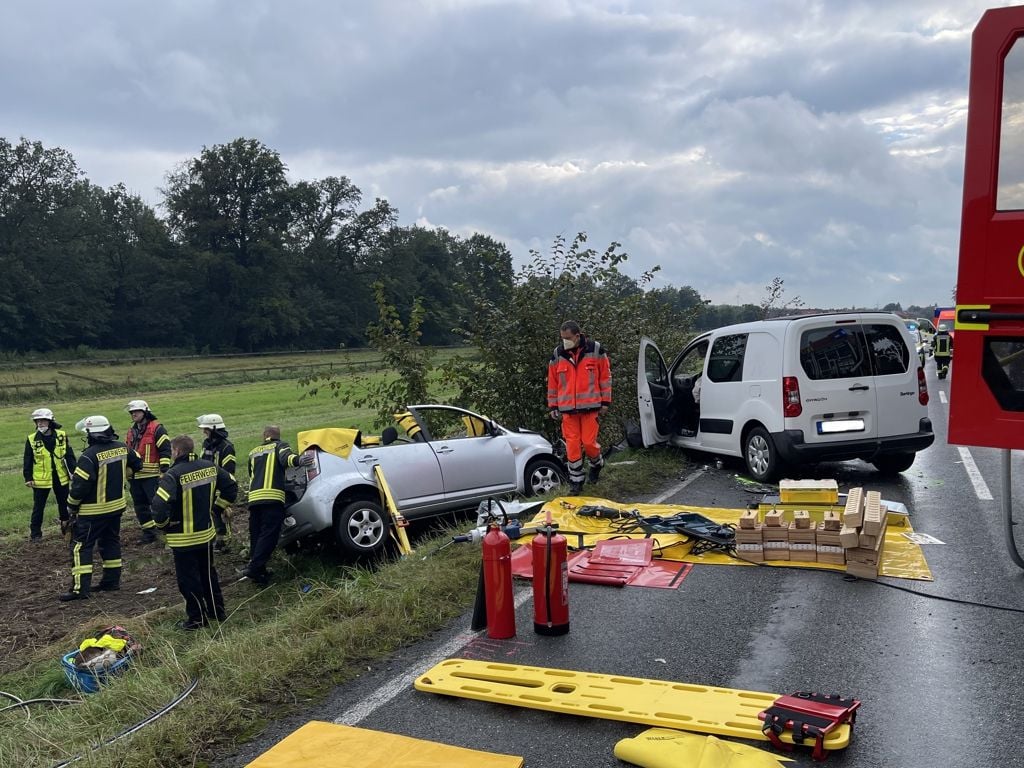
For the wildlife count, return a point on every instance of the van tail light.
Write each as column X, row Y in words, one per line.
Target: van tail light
column 313, row 469
column 922, row 387
column 791, row 405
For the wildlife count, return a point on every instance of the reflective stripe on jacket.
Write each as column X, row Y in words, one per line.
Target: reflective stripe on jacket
column 43, row 462
column 97, row 484
column 267, row 463
column 153, row 446
column 184, row 500
column 579, row 379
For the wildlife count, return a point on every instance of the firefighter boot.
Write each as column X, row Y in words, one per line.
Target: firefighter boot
column 595, row 472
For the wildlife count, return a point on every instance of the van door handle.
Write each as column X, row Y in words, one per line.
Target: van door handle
column 859, row 388
column 368, row 460
column 444, row 449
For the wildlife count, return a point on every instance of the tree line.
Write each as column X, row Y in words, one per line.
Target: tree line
column 242, row 259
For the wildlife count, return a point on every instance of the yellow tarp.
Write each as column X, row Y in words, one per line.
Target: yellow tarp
column 902, row 558
column 326, row 745
column 336, row 440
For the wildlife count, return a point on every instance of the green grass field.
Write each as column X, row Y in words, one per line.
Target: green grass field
column 177, row 395
column 246, row 409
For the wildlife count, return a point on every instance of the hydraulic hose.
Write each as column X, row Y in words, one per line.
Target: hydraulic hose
column 1007, row 503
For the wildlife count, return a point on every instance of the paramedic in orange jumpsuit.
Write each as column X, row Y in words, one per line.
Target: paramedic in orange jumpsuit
column 579, row 390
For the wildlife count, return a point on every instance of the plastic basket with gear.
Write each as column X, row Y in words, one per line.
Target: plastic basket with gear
column 99, row 658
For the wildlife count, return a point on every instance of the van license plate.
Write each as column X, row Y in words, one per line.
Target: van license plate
column 844, row 425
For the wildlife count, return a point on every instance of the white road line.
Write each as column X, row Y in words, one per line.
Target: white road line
column 980, row 488
column 942, row 396
column 660, row 498
column 400, row 684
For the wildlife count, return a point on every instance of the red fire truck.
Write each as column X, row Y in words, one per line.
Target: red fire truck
column 987, row 395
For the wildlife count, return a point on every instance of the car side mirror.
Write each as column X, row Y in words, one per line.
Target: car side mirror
column 492, row 429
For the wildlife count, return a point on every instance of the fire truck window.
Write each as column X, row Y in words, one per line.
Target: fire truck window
column 1010, row 189
column 1002, row 367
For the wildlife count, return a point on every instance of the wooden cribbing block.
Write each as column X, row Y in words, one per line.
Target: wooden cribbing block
column 849, row 537
column 802, row 519
column 874, row 514
column 831, row 521
column 749, row 535
column 773, row 519
column 853, row 515
column 749, row 519
column 778, row 532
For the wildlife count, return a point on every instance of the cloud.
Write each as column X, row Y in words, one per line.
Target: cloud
column 729, row 142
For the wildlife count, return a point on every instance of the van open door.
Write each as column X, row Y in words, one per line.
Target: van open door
column 987, row 395
column 653, row 394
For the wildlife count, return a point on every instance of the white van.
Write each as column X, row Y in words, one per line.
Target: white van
column 791, row 390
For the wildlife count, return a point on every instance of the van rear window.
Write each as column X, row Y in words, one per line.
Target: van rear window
column 888, row 350
column 834, row 353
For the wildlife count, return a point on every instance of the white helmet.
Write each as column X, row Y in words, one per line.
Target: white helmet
column 137, row 405
column 42, row 413
column 93, row 425
column 210, row 421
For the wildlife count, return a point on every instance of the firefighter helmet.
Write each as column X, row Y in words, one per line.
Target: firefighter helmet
column 137, row 405
column 42, row 413
column 93, row 425
column 210, row 421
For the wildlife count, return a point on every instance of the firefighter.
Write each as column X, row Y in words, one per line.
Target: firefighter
column 267, row 463
column 95, row 504
column 148, row 438
column 579, row 390
column 49, row 459
column 942, row 350
column 183, row 508
column 221, row 451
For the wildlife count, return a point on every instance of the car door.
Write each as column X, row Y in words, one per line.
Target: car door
column 832, row 363
column 474, row 463
column 411, row 470
column 722, row 392
column 899, row 411
column 653, row 394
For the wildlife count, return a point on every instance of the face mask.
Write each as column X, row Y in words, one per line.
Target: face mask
column 569, row 343
column 42, row 430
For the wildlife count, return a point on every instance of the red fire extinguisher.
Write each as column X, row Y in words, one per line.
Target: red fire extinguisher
column 550, row 581
column 497, row 560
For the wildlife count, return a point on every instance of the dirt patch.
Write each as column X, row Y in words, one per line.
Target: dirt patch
column 34, row 575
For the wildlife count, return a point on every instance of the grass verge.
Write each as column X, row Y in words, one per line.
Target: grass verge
column 281, row 648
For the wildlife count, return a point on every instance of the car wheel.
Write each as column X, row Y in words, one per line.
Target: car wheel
column 543, row 475
column 361, row 529
column 760, row 455
column 894, row 463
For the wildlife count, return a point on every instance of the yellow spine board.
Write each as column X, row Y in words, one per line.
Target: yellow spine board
column 396, row 517
column 699, row 708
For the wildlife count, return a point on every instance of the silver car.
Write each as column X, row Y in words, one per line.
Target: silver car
column 435, row 459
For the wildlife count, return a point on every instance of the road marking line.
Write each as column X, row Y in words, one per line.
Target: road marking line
column 400, row 684
column 980, row 488
column 942, row 397
column 660, row 498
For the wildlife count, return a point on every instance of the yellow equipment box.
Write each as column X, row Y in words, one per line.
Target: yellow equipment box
column 809, row 491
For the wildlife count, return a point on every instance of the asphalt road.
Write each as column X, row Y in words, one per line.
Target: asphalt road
column 940, row 681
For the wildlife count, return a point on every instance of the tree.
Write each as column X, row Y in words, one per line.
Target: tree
column 232, row 207
column 402, row 354
column 775, row 301
column 514, row 337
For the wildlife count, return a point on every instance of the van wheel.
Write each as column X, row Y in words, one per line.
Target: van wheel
column 543, row 475
column 894, row 463
column 361, row 529
column 760, row 455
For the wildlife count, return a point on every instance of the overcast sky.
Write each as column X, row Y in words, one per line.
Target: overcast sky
column 728, row 142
